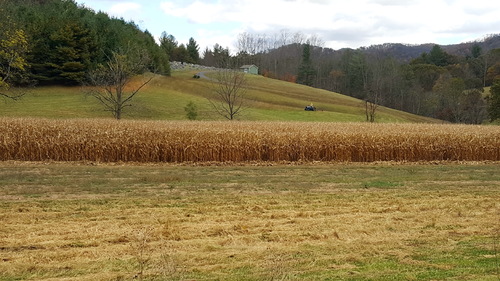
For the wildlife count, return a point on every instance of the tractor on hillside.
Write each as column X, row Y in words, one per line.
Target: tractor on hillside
column 310, row 108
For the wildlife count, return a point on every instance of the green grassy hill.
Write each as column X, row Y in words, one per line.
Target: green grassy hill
column 165, row 98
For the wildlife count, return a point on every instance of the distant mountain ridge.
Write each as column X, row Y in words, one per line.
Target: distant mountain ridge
column 406, row 52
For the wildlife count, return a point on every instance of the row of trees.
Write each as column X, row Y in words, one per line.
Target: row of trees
column 436, row 84
column 189, row 53
column 252, row 48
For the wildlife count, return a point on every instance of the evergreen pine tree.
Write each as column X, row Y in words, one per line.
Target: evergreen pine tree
column 168, row 44
column 193, row 51
column 494, row 105
column 306, row 71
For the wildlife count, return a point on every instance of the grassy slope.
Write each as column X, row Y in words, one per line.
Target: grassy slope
column 166, row 97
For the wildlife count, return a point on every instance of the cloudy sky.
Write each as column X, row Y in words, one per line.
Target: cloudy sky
column 339, row 23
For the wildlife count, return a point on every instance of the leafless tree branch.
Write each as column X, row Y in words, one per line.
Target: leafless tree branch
column 229, row 90
column 110, row 84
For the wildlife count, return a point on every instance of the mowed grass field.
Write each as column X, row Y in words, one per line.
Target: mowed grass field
column 72, row 221
column 164, row 98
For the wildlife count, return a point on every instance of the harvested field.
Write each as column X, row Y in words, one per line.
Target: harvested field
column 104, row 140
column 353, row 221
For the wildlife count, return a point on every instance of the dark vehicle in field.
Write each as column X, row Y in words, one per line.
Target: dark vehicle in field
column 310, row 108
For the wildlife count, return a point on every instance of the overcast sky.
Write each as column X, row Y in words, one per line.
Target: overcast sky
column 339, row 23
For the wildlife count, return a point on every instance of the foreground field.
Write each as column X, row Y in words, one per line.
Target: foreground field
column 104, row 140
column 307, row 222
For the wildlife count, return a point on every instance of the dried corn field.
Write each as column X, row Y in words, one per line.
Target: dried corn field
column 182, row 141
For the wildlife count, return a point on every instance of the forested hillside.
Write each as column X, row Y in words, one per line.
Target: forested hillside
column 445, row 82
column 62, row 41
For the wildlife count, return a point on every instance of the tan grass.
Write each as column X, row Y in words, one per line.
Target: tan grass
column 212, row 229
column 181, row 141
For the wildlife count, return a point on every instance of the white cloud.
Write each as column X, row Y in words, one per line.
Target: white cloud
column 340, row 23
column 208, row 38
column 350, row 23
column 124, row 8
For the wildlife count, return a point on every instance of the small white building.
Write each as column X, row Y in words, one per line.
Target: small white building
column 250, row 69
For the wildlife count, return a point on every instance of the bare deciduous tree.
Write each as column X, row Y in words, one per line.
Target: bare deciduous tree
column 372, row 102
column 111, row 84
column 229, row 89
